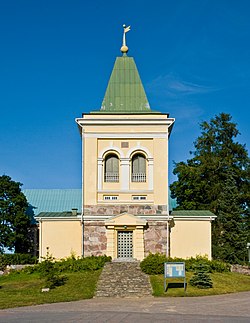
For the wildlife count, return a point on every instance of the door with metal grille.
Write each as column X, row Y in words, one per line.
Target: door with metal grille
column 125, row 244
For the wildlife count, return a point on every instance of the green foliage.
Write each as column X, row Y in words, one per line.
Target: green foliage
column 16, row 259
column 212, row 265
column 14, row 223
column 153, row 264
column 82, row 264
column 49, row 269
column 219, row 266
column 24, row 289
column 70, row 264
column 48, row 272
column 201, row 278
column 217, row 178
column 223, row 283
column 230, row 237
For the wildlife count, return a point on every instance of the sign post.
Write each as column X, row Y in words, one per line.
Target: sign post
column 174, row 270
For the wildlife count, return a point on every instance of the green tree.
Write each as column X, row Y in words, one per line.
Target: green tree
column 217, row 178
column 201, row 277
column 230, row 233
column 14, row 223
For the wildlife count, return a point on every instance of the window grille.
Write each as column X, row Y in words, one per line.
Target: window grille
column 111, row 173
column 138, row 177
column 139, row 197
column 110, row 197
column 111, row 177
column 138, row 168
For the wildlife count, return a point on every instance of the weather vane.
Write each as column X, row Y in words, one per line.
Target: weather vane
column 124, row 48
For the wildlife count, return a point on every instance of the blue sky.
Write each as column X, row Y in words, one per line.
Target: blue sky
column 56, row 58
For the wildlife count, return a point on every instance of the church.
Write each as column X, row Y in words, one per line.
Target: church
column 125, row 210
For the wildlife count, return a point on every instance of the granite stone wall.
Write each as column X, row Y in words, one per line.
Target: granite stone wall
column 155, row 237
column 115, row 209
column 95, row 239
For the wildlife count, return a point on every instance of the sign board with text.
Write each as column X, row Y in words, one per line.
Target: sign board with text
column 174, row 270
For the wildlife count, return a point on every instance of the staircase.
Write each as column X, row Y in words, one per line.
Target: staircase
column 123, row 279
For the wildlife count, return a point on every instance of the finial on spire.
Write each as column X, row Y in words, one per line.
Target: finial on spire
column 124, row 48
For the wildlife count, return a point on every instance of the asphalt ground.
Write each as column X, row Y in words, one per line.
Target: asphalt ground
column 220, row 308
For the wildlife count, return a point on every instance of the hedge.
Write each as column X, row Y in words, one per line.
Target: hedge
column 153, row 264
column 16, row 259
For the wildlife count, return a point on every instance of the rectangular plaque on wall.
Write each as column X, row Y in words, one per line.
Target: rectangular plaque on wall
column 124, row 144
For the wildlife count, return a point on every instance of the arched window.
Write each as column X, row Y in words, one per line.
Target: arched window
column 111, row 168
column 138, row 168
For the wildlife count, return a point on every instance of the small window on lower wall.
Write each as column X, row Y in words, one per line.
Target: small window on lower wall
column 110, row 197
column 139, row 197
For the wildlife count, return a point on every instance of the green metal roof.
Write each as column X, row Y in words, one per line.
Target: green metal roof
column 60, row 202
column 192, row 213
column 125, row 92
column 53, row 200
column 55, row 215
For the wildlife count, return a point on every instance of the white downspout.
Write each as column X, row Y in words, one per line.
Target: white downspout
column 168, row 233
column 40, row 240
column 82, row 214
column 168, row 239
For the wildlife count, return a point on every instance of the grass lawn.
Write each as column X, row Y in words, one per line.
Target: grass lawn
column 22, row 289
column 223, row 283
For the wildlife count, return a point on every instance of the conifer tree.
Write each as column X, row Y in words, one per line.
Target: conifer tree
column 201, row 277
column 217, row 178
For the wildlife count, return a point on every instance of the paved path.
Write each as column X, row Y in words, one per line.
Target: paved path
column 223, row 308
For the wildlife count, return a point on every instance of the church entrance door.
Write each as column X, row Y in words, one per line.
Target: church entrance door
column 125, row 244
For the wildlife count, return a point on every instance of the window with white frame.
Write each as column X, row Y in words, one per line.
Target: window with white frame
column 139, row 197
column 110, row 197
column 138, row 168
column 111, row 168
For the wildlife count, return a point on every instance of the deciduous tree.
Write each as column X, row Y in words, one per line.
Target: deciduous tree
column 14, row 223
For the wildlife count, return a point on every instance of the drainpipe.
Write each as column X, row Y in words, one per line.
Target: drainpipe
column 40, row 241
column 82, row 214
column 168, row 239
column 168, row 233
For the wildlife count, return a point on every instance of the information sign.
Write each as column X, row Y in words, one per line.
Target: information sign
column 174, row 270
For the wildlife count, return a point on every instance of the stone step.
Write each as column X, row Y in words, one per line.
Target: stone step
column 123, row 279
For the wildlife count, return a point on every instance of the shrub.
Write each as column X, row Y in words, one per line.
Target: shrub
column 201, row 278
column 71, row 264
column 16, row 259
column 48, row 272
column 213, row 265
column 219, row 266
column 82, row 264
column 153, row 264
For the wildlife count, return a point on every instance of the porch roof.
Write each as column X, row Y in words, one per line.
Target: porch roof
column 190, row 213
column 55, row 215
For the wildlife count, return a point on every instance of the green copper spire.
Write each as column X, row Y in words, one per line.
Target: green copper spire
column 125, row 92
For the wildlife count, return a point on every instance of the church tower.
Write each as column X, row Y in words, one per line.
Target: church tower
column 125, row 196
column 125, row 208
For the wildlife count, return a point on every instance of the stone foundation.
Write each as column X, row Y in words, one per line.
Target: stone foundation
column 95, row 239
column 114, row 209
column 155, row 237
